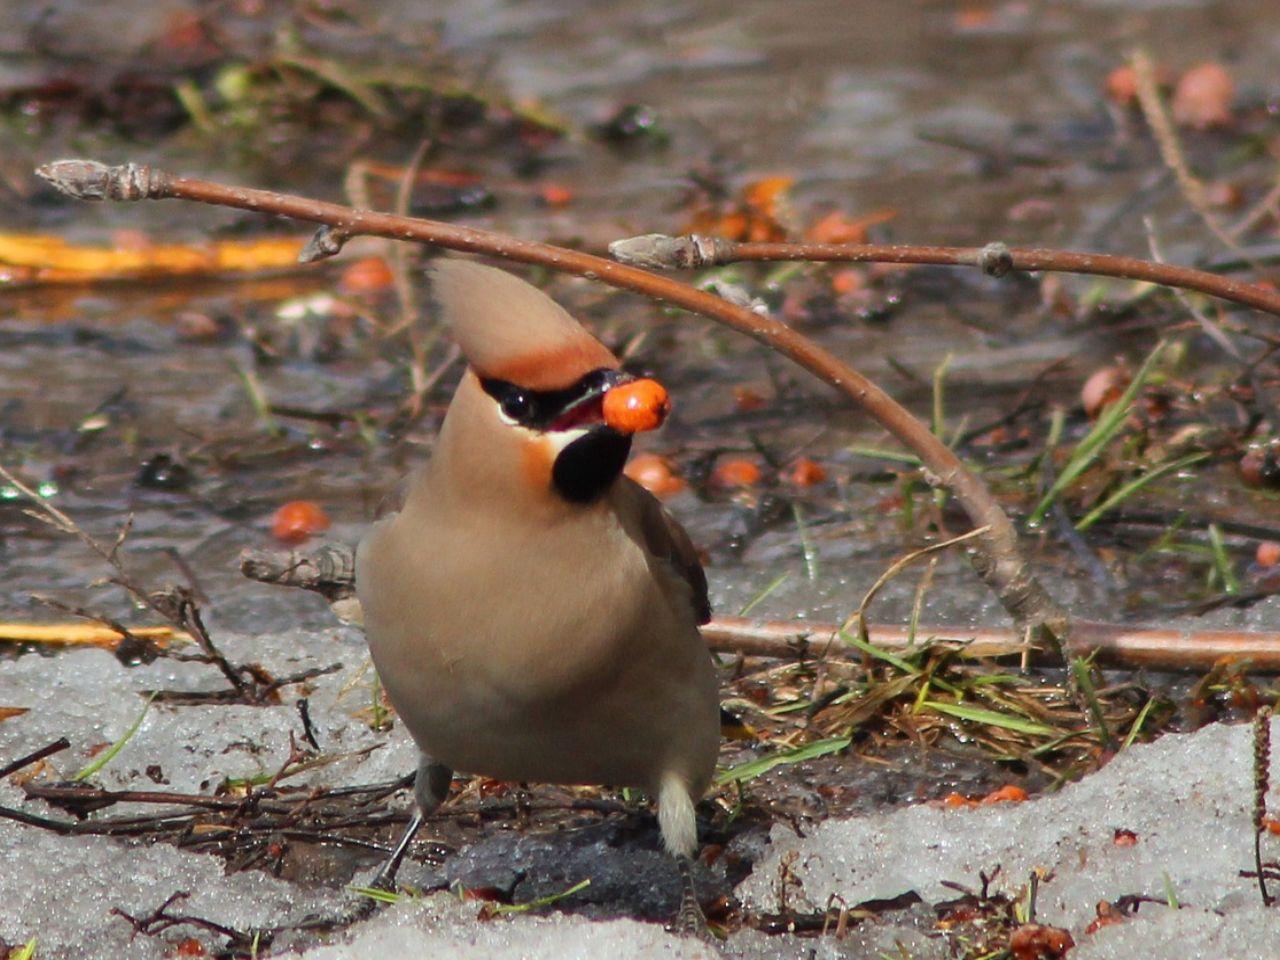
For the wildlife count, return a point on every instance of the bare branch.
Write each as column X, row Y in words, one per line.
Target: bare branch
column 995, row 556
column 1115, row 644
column 659, row 251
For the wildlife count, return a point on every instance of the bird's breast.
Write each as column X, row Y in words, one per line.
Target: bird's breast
column 549, row 654
column 472, row 617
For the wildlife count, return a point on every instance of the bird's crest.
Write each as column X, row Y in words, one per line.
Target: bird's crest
column 510, row 330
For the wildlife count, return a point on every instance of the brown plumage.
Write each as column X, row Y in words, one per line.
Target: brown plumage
column 532, row 612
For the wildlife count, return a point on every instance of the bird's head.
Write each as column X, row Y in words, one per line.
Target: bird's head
column 544, row 410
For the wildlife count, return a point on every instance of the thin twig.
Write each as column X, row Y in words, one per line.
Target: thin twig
column 1261, row 783
column 1166, row 137
column 996, row 556
column 659, row 251
column 1268, row 206
column 1115, row 644
column 1212, row 329
column 35, row 756
column 250, row 683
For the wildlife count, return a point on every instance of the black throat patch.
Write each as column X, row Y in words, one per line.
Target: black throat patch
column 586, row 468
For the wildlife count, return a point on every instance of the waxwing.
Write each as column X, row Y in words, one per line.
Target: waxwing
column 532, row 612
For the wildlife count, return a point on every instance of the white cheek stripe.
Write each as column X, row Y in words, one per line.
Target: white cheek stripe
column 559, row 439
column 556, row 439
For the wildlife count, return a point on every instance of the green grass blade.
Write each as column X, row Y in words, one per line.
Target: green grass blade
column 991, row 718
column 378, row 894
column 1138, row 722
column 507, row 908
column 1108, row 425
column 1082, row 671
column 871, row 650
column 109, row 754
column 1222, row 562
column 754, row 768
column 939, row 396
column 755, row 601
column 1134, row 485
column 24, row 952
column 1170, row 895
column 806, row 544
column 878, row 453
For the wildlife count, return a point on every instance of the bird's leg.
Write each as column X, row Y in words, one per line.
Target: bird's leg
column 430, row 787
column 678, row 821
column 689, row 920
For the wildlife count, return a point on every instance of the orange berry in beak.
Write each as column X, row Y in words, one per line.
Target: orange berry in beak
column 636, row 406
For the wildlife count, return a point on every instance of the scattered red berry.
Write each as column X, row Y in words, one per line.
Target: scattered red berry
column 368, row 275
column 1006, row 794
column 1203, row 97
column 654, row 473
column 297, row 520
column 735, row 472
column 806, row 473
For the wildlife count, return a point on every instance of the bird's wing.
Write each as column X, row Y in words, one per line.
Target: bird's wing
column 663, row 537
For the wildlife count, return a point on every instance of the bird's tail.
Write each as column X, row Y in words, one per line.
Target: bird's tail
column 676, row 817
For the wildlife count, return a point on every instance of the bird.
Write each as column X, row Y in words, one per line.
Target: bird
column 531, row 611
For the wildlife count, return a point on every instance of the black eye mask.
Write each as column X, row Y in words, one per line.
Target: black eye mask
column 564, row 409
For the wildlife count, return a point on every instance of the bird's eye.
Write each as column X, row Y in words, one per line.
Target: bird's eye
column 517, row 404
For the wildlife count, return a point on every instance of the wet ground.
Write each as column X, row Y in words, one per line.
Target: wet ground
column 199, row 408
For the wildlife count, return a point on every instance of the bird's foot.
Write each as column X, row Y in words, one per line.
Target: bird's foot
column 689, row 920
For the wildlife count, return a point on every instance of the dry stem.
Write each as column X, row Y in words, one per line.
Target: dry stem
column 330, row 572
column 249, row 682
column 659, row 251
column 1115, row 645
column 996, row 555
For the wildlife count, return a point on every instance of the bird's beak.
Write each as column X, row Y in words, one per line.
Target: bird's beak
column 587, row 408
column 619, row 401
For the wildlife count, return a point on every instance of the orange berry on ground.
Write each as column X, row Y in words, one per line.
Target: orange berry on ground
column 654, row 473
column 1122, row 85
column 1103, row 388
column 297, row 520
column 1006, row 794
column 836, row 227
column 767, row 194
column 957, row 800
column 1268, row 554
column 1271, row 825
column 1124, row 838
column 806, row 473
column 973, row 17
column 367, row 275
column 555, row 195
column 1035, row 941
column 1203, row 97
column 636, row 406
column 1107, row 916
column 847, row 281
column 745, row 399
column 735, row 472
